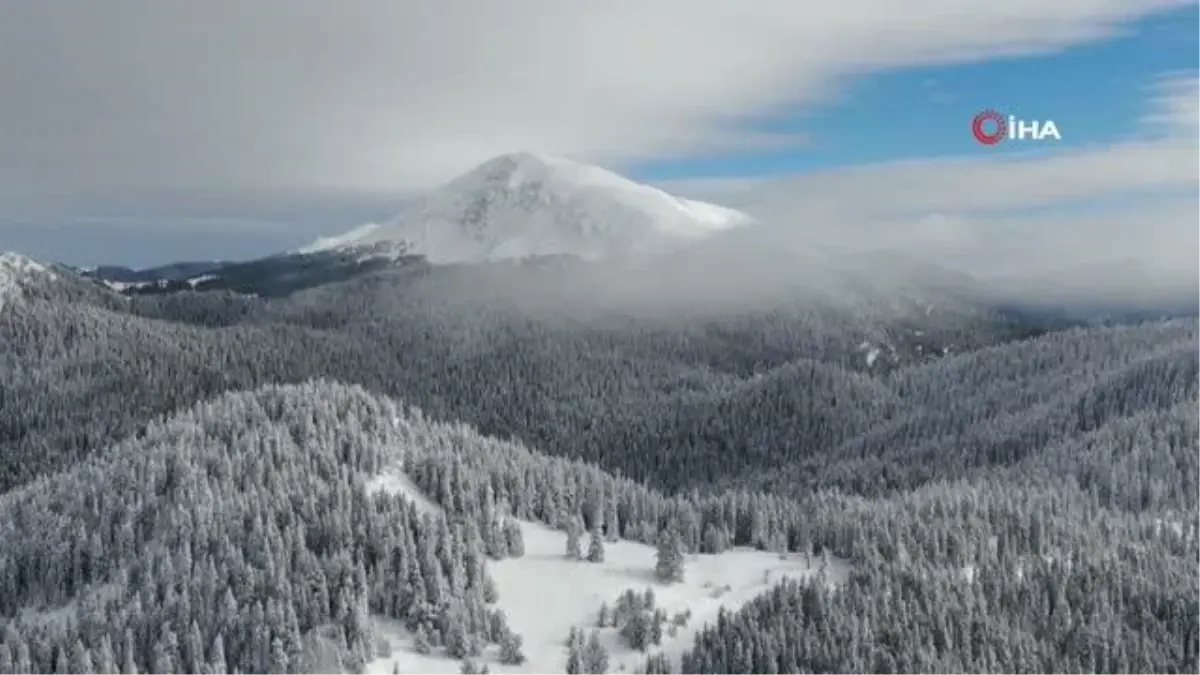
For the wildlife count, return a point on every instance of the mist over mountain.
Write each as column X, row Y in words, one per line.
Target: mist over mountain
column 651, row 252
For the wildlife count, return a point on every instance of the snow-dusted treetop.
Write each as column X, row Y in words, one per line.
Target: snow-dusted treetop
column 15, row 271
column 520, row 204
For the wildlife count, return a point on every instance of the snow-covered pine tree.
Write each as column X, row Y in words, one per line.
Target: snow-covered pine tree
column 657, row 619
column 636, row 629
column 510, row 649
column 595, row 551
column 421, row 641
column 612, row 525
column 668, row 564
column 595, row 656
column 575, row 656
column 574, row 535
column 657, row 664
column 514, row 538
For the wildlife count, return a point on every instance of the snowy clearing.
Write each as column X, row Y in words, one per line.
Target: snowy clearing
column 68, row 612
column 393, row 481
column 544, row 594
column 194, row 281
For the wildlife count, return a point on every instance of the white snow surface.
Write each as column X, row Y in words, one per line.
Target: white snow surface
column 393, row 481
column 194, row 281
column 339, row 240
column 17, row 270
column 121, row 286
column 544, row 594
column 521, row 205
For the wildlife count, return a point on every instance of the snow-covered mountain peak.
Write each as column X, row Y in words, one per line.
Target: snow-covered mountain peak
column 16, row 271
column 520, row 204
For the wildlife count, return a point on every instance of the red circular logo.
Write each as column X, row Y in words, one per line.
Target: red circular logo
column 982, row 134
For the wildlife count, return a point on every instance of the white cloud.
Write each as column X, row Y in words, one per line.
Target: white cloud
column 248, row 117
column 975, row 182
column 125, row 100
column 1128, row 208
column 1175, row 105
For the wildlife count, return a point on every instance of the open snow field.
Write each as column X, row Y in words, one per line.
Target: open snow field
column 544, row 594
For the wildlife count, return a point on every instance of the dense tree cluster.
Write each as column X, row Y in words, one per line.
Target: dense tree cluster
column 239, row 535
column 672, row 402
column 982, row 576
column 585, row 655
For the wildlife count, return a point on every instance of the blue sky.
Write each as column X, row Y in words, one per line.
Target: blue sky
column 1094, row 92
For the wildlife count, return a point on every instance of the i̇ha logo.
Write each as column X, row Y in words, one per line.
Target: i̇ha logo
column 990, row 127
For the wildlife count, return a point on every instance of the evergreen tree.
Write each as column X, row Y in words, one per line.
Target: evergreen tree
column 594, row 657
column 595, row 551
column 574, row 661
column 514, row 539
column 510, row 649
column 574, row 534
column 659, row 663
column 636, row 629
column 612, row 530
column 421, row 641
column 657, row 619
column 668, row 563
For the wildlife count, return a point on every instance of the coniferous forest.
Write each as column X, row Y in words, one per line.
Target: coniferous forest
column 187, row 477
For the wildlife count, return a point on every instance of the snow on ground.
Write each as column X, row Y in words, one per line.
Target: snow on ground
column 338, row 240
column 122, row 286
column 1174, row 526
column 67, row 612
column 393, row 481
column 194, row 281
column 544, row 594
column 520, row 205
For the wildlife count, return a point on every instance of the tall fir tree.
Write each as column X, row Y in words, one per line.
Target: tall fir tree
column 669, row 561
column 574, row 535
column 595, row 552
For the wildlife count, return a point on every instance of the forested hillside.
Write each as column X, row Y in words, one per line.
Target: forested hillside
column 469, row 344
column 183, row 476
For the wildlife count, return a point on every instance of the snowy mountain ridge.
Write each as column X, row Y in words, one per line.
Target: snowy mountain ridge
column 339, row 240
column 520, row 205
column 17, row 270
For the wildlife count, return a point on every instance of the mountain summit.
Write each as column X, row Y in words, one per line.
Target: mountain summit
column 18, row 271
column 519, row 205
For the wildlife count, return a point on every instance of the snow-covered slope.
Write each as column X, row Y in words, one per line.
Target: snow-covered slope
column 544, row 594
column 16, row 271
column 339, row 240
column 520, row 205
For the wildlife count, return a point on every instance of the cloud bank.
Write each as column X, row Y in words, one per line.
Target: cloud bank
column 1116, row 220
column 148, row 100
column 239, row 121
